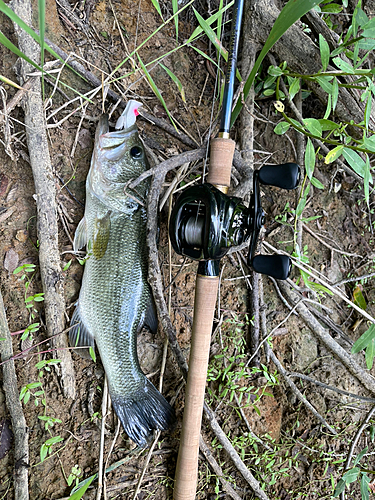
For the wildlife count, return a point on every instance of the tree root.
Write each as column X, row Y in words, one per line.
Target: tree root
column 20, row 430
column 49, row 256
column 347, row 360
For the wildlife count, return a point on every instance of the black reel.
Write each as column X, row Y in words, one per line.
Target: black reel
column 205, row 223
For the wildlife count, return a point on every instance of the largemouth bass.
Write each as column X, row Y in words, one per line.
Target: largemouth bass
column 115, row 300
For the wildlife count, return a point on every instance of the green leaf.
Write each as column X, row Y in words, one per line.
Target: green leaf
column 334, row 154
column 351, row 475
column 275, row 71
column 324, row 51
column 294, row 88
column 156, row 4
column 366, row 182
column 328, row 125
column 344, row 66
column 281, row 128
column 368, row 110
column 339, row 488
column 364, row 340
column 324, row 83
column 313, row 126
column 176, row 81
column 355, row 161
column 210, row 21
column 369, row 29
column 292, row 11
column 365, row 487
column 314, row 181
column 358, row 297
column 175, row 11
column 92, row 354
column 301, row 205
column 369, row 143
column 332, row 8
column 309, row 158
column 43, row 452
column 360, row 456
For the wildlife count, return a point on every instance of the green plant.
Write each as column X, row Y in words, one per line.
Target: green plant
column 356, row 473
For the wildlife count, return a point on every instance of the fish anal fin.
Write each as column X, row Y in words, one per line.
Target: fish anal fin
column 101, row 235
column 79, row 335
column 80, row 237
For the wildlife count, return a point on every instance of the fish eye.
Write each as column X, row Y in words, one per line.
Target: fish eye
column 136, row 152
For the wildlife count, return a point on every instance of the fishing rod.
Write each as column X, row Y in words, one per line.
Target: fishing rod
column 205, row 222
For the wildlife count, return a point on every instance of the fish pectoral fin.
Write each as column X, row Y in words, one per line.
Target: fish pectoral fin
column 80, row 237
column 151, row 319
column 101, row 235
column 79, row 335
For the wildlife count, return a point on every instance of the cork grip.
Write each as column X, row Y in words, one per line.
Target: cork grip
column 187, row 462
column 221, row 158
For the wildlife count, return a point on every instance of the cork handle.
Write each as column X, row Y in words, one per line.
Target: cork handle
column 187, row 462
column 221, row 159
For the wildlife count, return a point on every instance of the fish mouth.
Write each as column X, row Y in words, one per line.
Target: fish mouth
column 113, row 143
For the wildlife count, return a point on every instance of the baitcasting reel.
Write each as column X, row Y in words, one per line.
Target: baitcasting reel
column 205, row 222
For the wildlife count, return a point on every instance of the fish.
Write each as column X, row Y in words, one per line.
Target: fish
column 115, row 300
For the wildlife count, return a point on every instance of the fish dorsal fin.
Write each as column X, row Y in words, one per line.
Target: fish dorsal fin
column 101, row 235
column 79, row 336
column 80, row 237
column 151, row 319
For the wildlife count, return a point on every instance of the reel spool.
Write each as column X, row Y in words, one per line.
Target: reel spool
column 205, row 223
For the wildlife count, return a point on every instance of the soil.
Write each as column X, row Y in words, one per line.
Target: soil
column 307, row 459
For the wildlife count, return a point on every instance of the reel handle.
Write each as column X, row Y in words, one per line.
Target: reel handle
column 284, row 176
column 276, row 266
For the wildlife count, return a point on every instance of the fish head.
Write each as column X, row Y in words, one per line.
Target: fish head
column 118, row 157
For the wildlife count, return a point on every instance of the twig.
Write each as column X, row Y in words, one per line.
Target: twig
column 102, row 434
column 49, row 256
column 246, row 474
column 351, row 280
column 333, row 249
column 20, row 430
column 364, row 377
column 217, row 470
column 298, row 393
column 148, row 458
column 28, row 85
column 330, row 388
column 311, row 271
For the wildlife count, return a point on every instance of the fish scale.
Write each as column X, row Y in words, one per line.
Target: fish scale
column 115, row 298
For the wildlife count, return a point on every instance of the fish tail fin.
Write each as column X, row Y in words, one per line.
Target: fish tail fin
column 143, row 412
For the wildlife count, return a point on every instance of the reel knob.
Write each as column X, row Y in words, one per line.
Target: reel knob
column 284, row 176
column 276, row 266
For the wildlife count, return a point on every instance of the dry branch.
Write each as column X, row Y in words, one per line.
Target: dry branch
column 362, row 375
column 49, row 256
column 21, row 448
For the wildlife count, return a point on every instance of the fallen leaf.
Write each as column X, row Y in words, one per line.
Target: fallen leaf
column 6, row 438
column 11, row 260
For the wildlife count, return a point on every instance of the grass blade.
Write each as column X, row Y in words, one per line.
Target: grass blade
column 156, row 90
column 175, row 11
column 292, row 11
column 176, row 81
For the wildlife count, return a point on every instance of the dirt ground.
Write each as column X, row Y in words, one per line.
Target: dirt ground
column 302, row 459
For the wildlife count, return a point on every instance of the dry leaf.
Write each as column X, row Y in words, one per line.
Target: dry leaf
column 11, row 260
column 6, row 438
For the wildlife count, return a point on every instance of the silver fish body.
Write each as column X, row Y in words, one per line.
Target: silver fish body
column 115, row 300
